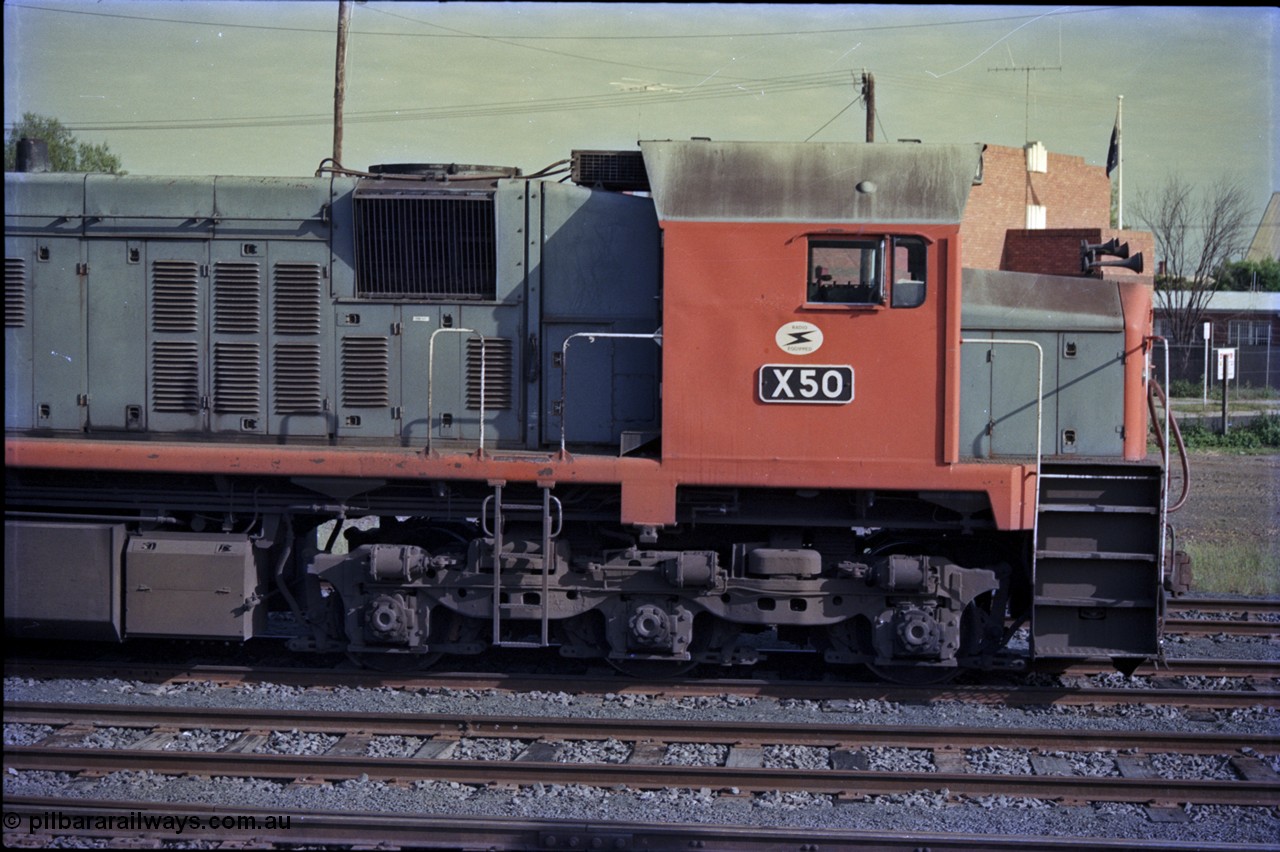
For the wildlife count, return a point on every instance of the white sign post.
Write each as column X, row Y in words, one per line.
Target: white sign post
column 1226, row 372
column 1226, row 364
column 1208, row 335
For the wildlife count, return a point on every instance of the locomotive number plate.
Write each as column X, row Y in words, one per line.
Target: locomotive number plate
column 818, row 384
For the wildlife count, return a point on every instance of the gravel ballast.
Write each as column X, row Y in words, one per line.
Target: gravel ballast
column 926, row 810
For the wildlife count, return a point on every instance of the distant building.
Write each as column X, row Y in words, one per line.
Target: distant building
column 1034, row 209
column 1246, row 322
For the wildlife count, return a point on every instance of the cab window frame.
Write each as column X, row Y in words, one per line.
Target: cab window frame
column 836, row 278
column 832, row 260
column 909, row 262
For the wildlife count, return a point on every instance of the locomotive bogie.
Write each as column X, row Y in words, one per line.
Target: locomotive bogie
column 653, row 605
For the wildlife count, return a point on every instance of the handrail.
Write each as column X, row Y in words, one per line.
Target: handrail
column 1164, row 460
column 549, row 533
column 656, row 337
column 1039, row 392
column 431, row 385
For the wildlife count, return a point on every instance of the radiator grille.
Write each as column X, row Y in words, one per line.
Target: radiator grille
column 175, row 295
column 366, row 375
column 237, row 298
column 425, row 246
column 299, row 383
column 298, row 292
column 497, row 373
column 15, row 292
column 616, row 170
column 237, row 384
column 175, row 377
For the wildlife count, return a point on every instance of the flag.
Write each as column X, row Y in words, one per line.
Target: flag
column 1113, row 152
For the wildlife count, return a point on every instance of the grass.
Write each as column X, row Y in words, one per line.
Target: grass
column 1233, row 569
column 1193, row 392
column 1262, row 434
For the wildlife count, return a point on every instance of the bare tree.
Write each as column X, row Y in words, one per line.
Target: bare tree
column 1195, row 236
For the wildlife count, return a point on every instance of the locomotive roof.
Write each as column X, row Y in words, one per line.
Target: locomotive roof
column 811, row 182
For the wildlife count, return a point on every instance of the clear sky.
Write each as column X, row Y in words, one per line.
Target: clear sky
column 224, row 87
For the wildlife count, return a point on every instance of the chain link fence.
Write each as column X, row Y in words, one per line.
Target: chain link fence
column 1257, row 366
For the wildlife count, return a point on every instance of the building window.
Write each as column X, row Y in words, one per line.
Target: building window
column 1248, row 333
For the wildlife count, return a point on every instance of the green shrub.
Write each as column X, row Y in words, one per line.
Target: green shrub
column 1267, row 429
column 1185, row 389
column 1262, row 433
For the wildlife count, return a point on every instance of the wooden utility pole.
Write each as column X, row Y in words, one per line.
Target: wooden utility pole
column 869, row 95
column 340, row 77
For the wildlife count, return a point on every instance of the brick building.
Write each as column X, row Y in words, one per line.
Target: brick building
column 1033, row 209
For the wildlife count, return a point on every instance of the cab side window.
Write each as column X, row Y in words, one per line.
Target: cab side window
column 848, row 272
column 909, row 266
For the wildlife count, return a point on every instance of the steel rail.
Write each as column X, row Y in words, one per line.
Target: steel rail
column 84, row 716
column 1213, row 627
column 612, row 682
column 838, row 782
column 1160, row 691
column 1254, row 606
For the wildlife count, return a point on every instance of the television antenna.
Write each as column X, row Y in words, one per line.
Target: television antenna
column 1027, row 69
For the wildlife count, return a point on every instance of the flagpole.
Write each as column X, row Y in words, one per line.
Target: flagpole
column 1119, row 164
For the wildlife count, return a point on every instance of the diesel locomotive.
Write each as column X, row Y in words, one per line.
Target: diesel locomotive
column 648, row 407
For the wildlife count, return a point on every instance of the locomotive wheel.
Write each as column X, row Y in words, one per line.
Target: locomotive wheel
column 446, row 627
column 710, row 635
column 915, row 675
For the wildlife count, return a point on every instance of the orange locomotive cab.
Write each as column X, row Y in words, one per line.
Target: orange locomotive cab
column 812, row 317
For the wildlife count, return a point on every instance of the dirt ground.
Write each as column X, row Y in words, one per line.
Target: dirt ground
column 1234, row 499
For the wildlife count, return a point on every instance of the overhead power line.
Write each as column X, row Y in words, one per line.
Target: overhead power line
column 629, row 37
column 610, row 100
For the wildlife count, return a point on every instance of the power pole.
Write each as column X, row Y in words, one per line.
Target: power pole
column 869, row 95
column 340, row 77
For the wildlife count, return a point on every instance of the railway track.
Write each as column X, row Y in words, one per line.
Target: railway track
column 1253, row 608
column 835, row 760
column 952, row 773
column 1236, row 683
column 1206, row 616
